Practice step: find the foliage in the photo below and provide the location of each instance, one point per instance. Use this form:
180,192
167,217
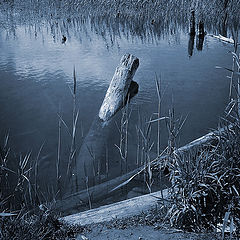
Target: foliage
44,225
142,18
206,183
205,191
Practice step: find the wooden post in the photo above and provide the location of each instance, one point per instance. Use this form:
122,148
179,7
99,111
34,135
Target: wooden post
224,18
192,23
200,36
201,29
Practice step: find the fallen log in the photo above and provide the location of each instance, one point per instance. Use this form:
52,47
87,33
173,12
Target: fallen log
84,169
206,139
76,201
101,191
124,209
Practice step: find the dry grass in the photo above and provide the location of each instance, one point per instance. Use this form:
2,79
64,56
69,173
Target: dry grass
205,191
205,184
44,225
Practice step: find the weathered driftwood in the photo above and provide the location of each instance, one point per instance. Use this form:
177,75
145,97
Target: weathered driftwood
119,86
119,210
100,191
222,38
92,151
206,139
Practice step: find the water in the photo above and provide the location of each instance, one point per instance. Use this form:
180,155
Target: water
36,74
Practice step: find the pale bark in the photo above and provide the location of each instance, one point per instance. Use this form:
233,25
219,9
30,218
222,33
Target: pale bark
119,86
222,38
100,191
85,169
124,209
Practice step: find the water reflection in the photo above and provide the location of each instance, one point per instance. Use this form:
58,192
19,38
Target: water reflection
199,38
146,22
199,42
40,45
191,44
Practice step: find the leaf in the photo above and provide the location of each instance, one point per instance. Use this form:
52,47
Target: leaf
203,185
127,181
7,169
230,70
225,220
83,237
158,119
235,189
193,208
7,214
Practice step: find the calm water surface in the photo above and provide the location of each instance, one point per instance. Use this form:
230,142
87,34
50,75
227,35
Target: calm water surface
36,74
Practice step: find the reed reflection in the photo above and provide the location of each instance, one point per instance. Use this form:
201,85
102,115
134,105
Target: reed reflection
191,45
200,36
147,22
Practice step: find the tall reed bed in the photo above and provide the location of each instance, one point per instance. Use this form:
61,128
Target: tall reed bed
148,21
205,183
20,189
205,189
25,208
17,190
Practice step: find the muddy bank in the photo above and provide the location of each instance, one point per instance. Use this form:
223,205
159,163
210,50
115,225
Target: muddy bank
143,232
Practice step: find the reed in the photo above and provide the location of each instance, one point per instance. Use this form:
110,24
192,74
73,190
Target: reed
75,114
154,19
22,213
123,142
16,189
44,225
204,191
205,184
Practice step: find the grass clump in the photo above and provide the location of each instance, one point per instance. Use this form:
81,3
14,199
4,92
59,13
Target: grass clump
206,184
205,190
43,225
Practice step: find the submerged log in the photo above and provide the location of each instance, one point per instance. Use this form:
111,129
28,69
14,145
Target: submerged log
119,210
78,200
84,170
75,201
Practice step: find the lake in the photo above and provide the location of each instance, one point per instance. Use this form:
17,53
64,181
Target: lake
36,76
